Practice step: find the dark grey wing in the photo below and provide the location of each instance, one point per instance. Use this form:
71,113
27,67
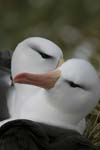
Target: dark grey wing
29,135
5,84
22,135
5,59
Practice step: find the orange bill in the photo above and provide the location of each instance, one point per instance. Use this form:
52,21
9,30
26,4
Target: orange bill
46,80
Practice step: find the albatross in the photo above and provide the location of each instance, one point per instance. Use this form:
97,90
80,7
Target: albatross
67,94
39,55
33,55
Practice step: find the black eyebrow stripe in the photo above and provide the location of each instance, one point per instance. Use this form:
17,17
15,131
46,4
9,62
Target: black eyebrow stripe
44,54
73,84
37,49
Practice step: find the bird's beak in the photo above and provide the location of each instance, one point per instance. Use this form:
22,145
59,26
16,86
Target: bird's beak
61,61
46,80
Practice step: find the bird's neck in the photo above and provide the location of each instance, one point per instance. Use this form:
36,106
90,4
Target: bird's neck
39,109
22,95
26,90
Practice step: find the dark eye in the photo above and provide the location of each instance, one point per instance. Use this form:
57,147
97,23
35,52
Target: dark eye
45,55
74,85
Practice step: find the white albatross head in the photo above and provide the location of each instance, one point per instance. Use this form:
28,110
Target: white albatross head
36,55
33,55
73,88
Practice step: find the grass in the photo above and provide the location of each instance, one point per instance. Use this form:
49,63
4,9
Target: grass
92,131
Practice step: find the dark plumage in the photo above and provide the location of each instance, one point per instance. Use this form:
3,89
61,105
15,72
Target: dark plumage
29,135
5,82
5,58
4,86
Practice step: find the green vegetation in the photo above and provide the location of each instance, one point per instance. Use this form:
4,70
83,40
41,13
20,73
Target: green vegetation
66,22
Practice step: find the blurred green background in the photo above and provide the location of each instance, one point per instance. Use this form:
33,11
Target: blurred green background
72,24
